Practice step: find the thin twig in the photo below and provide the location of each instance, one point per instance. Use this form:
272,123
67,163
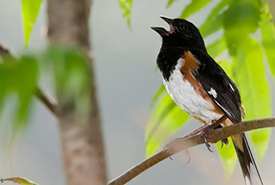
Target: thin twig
182,144
4,52
49,102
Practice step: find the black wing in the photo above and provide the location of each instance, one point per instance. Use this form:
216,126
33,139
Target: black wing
218,86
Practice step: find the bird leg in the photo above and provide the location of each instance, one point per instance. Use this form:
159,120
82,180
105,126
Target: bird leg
202,131
208,128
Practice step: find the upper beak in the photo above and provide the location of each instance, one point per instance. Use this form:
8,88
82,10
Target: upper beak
160,31
166,19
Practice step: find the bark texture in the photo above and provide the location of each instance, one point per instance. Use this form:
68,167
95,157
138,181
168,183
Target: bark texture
81,138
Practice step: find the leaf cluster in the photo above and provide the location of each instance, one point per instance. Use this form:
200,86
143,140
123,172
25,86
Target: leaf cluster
20,77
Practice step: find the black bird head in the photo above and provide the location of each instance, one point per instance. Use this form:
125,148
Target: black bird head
182,33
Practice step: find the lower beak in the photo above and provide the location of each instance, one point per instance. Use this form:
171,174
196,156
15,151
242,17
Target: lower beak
160,31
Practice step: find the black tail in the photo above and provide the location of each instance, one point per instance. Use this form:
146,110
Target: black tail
247,162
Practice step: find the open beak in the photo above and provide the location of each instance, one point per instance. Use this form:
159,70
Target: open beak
162,31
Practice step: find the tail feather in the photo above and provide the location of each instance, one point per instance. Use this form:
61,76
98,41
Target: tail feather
247,162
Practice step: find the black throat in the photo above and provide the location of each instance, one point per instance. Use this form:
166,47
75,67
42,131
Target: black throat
167,60
173,48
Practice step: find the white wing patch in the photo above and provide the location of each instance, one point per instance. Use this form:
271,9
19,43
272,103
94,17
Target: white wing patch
232,87
213,92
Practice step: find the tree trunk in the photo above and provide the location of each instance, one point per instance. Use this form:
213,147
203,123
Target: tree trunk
81,138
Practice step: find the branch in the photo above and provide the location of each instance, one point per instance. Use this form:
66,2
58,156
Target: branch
182,144
49,102
4,52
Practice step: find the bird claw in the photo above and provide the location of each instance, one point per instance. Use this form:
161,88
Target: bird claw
207,143
204,136
224,141
202,132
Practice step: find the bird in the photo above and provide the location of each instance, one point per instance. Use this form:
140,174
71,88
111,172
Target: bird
199,86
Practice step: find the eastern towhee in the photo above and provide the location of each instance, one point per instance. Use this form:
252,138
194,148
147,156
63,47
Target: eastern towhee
200,87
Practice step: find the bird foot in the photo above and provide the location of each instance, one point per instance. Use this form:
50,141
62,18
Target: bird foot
202,132
204,135
209,128
224,141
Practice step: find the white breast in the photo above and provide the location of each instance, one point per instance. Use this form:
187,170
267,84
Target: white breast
185,96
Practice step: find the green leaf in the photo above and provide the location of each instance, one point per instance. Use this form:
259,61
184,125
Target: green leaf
26,85
228,157
249,75
242,16
193,7
217,47
156,96
30,10
72,77
213,22
227,67
126,7
19,180
170,2
211,26
240,20
166,120
18,77
268,39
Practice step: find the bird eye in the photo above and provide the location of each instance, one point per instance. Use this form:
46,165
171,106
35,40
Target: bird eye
182,26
